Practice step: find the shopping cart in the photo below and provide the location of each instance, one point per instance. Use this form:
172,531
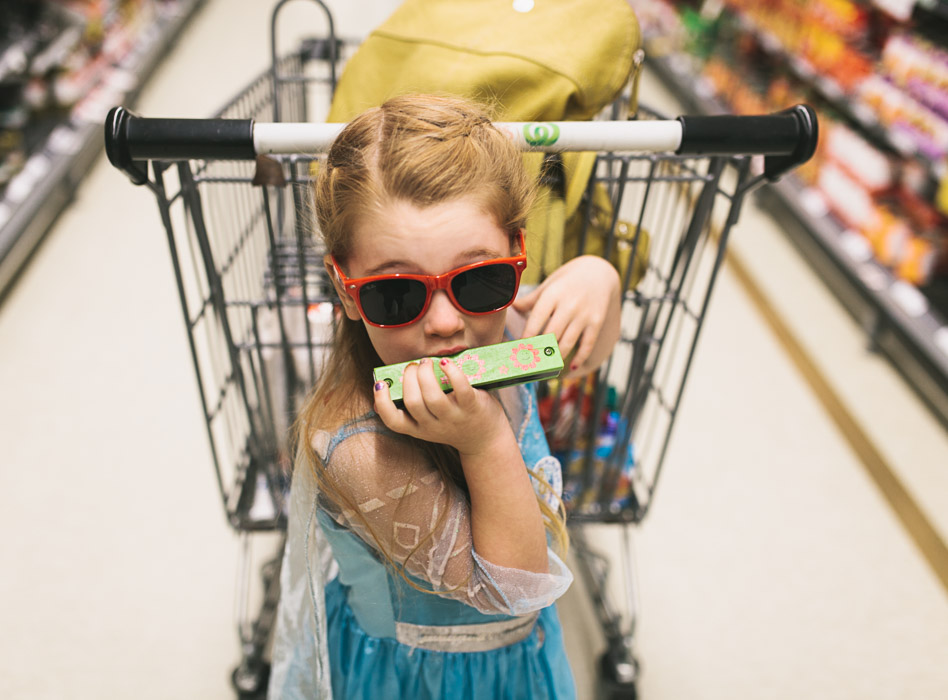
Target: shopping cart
232,194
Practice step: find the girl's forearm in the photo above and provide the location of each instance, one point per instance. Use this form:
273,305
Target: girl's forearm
506,523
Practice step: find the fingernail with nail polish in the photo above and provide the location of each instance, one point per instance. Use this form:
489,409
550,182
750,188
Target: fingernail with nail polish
444,361
379,386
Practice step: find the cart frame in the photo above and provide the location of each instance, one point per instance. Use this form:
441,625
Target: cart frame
231,193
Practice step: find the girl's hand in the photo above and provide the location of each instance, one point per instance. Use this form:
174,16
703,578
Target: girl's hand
581,304
506,524
469,419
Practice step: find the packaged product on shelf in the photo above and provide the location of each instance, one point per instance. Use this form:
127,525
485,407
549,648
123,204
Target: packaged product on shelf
110,30
941,198
918,67
924,130
881,91
862,161
925,257
906,233
856,208
12,153
820,38
14,114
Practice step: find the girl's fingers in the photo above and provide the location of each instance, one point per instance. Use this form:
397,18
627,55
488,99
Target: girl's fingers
567,341
587,344
576,330
534,324
526,302
545,318
391,416
582,341
412,395
464,393
383,402
432,390
540,310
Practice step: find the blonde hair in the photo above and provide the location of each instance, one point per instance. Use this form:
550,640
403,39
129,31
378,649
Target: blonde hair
424,150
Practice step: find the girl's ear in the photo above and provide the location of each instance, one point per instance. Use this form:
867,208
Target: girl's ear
348,303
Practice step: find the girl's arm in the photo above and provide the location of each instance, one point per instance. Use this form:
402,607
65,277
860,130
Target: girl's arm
486,548
581,304
505,520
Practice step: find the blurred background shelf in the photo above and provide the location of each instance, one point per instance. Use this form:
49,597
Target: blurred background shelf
58,144
900,321
905,320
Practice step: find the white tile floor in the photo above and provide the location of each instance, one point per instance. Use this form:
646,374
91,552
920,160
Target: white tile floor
769,567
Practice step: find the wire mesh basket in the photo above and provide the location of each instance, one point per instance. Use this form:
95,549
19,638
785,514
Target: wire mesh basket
259,308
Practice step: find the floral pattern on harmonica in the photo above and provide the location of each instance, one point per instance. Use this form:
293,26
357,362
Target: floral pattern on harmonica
490,366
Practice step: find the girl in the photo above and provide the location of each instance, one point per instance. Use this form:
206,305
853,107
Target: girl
443,516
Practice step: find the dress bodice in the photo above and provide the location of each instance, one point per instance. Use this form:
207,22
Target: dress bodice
380,596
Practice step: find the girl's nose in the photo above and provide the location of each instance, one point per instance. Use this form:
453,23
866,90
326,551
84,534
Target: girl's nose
442,317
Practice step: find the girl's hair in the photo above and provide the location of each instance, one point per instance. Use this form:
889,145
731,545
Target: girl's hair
424,150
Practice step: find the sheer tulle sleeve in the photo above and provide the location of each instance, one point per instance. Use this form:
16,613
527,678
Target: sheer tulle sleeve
300,668
406,510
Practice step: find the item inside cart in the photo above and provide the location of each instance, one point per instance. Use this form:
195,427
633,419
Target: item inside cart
595,458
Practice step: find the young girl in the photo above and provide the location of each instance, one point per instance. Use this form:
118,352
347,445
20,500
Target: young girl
443,516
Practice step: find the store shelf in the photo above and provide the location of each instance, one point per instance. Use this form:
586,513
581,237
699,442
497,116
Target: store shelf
847,105
36,196
899,320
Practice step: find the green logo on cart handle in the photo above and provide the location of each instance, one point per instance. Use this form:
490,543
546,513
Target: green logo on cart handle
541,133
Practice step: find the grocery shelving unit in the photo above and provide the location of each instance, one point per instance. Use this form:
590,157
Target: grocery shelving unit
908,325
836,96
34,197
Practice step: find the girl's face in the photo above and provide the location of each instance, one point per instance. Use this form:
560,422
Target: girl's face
432,240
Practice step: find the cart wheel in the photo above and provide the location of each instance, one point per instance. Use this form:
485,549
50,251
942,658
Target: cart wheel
618,674
250,680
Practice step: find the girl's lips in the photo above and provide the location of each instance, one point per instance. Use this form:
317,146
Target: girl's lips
450,351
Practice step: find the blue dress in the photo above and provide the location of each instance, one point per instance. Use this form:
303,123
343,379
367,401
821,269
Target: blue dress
497,636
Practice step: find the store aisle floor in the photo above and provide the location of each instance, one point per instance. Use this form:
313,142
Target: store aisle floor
770,565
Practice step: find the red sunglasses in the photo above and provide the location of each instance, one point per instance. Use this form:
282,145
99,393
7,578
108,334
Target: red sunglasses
390,301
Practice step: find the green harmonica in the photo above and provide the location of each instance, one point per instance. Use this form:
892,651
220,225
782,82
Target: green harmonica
491,366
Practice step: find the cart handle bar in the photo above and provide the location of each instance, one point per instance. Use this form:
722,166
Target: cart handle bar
786,138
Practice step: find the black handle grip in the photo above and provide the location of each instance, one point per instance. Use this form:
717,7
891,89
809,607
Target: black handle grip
787,138
130,139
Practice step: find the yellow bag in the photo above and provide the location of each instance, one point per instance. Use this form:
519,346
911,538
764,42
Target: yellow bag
561,60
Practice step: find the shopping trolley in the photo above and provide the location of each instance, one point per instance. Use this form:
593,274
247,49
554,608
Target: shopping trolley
233,196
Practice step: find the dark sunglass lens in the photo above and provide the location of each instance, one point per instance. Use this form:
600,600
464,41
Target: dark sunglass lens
392,302
485,288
